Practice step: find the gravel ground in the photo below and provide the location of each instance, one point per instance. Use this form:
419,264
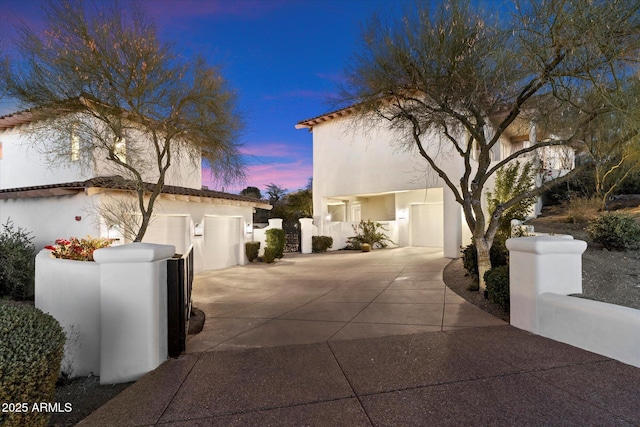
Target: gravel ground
607,276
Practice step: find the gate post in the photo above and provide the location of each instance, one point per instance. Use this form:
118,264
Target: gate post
306,234
133,310
541,264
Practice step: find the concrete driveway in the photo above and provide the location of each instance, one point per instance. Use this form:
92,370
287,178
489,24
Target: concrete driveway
342,295
453,375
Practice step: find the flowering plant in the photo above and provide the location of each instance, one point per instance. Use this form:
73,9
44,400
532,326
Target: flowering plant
77,249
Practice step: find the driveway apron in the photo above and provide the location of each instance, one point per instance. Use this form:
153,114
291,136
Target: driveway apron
304,299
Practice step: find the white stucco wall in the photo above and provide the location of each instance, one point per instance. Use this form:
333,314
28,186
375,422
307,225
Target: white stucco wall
51,218
24,163
351,161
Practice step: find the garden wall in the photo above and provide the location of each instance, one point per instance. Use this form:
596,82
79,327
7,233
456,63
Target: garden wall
114,310
543,272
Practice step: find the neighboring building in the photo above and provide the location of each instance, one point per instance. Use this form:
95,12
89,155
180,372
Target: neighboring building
65,200
365,173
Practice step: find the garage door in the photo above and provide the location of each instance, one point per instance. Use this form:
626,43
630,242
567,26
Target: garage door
427,224
169,230
223,242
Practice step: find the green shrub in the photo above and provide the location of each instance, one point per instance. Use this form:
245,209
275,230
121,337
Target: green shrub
17,262
511,181
498,254
321,243
368,232
31,348
497,281
251,250
269,255
616,231
275,241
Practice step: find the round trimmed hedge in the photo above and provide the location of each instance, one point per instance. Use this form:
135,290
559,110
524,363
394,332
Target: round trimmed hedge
31,349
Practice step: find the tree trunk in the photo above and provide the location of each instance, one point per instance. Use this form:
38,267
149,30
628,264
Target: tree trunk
484,261
146,219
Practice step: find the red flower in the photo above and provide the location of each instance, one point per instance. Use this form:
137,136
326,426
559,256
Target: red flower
51,248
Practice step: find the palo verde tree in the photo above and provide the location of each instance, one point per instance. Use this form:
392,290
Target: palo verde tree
613,144
122,98
548,66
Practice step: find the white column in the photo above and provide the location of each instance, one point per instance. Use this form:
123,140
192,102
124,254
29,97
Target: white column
133,310
306,235
452,224
541,264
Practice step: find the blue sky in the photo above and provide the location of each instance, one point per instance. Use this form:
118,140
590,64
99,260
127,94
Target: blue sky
283,57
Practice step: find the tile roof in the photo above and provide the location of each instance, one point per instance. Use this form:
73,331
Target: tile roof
119,183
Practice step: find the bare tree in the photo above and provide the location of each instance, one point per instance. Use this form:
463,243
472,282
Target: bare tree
128,101
477,80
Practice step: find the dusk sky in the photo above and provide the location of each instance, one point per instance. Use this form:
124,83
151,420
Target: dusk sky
283,57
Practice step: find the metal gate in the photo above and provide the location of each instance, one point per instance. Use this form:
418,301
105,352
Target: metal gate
292,237
179,285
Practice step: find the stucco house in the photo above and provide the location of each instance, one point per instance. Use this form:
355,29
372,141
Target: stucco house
64,200
363,172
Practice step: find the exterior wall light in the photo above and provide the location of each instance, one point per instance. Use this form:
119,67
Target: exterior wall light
198,229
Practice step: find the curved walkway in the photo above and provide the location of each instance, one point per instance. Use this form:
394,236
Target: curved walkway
304,299
453,375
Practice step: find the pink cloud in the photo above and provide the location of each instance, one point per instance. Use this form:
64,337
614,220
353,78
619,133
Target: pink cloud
292,176
269,149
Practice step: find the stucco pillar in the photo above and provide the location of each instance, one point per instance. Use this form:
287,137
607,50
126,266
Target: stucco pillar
133,310
541,264
452,224
306,235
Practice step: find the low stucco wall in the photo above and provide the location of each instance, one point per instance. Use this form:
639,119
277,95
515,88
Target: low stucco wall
70,291
114,310
543,271
607,329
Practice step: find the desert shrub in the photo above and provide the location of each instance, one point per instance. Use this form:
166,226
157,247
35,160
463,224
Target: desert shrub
269,255
498,255
581,210
275,240
321,243
30,357
251,250
616,231
17,262
78,249
368,232
497,281
511,181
